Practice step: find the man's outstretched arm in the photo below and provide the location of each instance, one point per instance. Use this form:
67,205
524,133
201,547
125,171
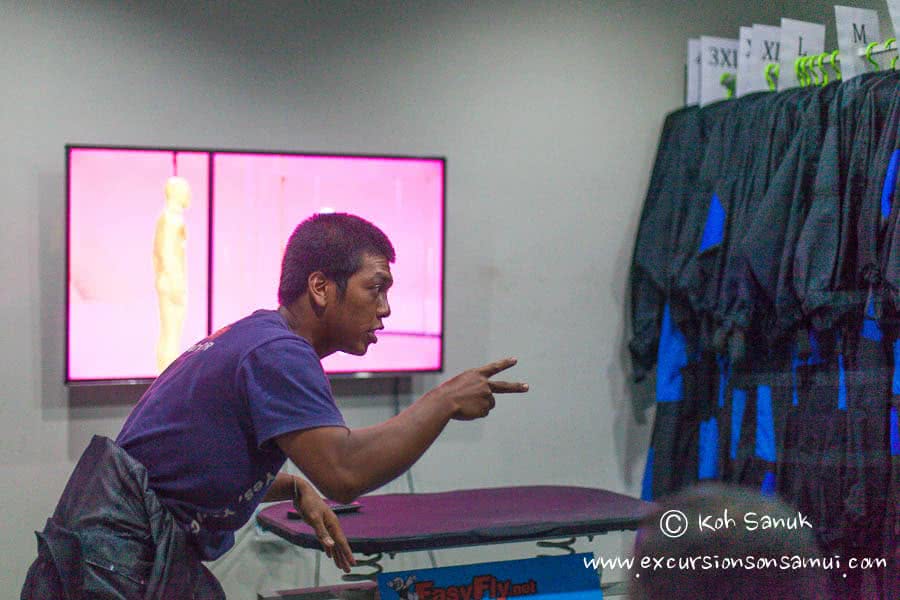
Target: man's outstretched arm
345,463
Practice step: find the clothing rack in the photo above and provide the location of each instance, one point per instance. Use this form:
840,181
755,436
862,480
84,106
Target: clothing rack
771,324
831,59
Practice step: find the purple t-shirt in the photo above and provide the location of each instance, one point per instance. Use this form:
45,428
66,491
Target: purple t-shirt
205,429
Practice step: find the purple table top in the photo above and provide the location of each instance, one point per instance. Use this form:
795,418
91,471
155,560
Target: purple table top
408,522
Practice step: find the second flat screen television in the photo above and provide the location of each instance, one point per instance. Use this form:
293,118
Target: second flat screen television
233,214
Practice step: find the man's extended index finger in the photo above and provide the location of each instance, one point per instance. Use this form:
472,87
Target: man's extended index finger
491,369
507,387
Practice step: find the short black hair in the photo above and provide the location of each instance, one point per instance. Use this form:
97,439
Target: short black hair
738,560
333,243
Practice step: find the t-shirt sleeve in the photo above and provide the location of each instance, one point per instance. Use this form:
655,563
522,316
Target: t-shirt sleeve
286,390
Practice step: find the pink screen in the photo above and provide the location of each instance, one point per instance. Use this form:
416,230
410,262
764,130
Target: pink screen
115,199
259,199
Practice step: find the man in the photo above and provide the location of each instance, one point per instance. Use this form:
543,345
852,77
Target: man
205,444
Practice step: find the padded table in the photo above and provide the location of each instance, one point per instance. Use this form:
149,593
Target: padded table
395,523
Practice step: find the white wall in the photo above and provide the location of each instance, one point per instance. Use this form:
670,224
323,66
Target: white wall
548,113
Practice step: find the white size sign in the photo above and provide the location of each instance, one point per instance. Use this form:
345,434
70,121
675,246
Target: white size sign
745,52
894,8
692,91
765,42
718,56
856,27
798,38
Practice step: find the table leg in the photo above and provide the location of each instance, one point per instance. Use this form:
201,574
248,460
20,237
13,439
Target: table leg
371,560
561,545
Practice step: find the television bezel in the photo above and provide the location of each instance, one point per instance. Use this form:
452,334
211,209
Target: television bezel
210,237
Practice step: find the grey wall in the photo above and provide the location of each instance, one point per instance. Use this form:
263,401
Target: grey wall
548,113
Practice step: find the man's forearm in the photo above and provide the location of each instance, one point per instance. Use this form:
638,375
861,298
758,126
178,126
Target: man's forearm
346,463
381,453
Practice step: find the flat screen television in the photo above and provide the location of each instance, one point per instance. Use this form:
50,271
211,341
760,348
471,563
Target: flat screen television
219,220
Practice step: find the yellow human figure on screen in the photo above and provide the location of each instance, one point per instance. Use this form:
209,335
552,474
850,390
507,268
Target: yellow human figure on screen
170,266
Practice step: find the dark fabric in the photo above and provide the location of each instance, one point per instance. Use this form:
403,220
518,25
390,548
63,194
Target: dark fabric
877,196
767,301
786,274
674,442
777,140
697,281
57,571
674,175
111,538
866,483
717,126
698,421
814,448
674,445
892,516
825,261
889,254
755,424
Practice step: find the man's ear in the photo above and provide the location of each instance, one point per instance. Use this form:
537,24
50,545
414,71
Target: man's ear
317,285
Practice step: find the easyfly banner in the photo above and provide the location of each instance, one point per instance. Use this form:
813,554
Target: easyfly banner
557,577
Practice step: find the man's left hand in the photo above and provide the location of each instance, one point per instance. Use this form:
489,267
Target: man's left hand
321,518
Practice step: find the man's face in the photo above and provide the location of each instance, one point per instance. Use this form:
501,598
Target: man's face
353,319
